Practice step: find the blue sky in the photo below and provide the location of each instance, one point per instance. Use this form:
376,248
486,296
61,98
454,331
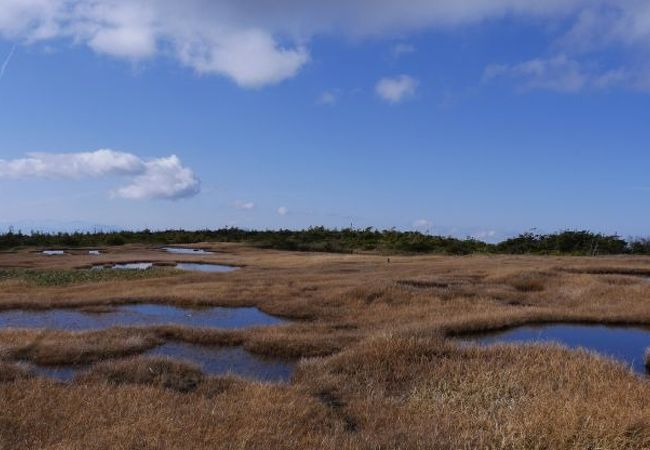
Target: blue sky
484,119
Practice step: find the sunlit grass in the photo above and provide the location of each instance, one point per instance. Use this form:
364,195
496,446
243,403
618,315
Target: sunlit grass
380,365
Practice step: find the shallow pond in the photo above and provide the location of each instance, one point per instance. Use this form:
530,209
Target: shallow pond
211,360
53,252
186,251
201,267
94,252
626,344
191,267
132,266
226,360
137,315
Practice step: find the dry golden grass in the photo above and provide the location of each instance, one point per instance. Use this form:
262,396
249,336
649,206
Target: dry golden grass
380,367
11,372
52,347
162,372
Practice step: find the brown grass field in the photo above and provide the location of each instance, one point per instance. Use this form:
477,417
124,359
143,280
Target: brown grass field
379,367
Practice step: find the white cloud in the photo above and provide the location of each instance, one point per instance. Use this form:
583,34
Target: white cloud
209,37
422,224
283,211
257,42
251,58
72,165
395,90
162,178
244,205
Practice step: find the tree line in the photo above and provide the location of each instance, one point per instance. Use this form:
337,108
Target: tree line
346,240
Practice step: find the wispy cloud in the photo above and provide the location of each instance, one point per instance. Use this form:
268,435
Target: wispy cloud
159,178
6,62
329,97
401,49
559,73
282,211
246,206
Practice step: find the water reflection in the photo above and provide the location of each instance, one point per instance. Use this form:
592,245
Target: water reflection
137,315
229,360
186,251
199,267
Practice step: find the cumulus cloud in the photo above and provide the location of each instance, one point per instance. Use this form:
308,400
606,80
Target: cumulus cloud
244,205
256,42
283,211
161,178
251,58
209,37
395,90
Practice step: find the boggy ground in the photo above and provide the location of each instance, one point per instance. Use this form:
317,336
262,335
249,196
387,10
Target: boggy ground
380,367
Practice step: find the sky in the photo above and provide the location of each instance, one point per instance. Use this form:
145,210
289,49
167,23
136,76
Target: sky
480,118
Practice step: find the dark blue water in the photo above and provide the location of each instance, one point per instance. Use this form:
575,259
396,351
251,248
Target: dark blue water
137,315
186,251
626,344
229,360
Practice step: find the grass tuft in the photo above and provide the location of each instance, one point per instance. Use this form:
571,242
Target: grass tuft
528,281
10,372
179,376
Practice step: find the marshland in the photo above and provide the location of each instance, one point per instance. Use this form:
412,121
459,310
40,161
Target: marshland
301,349
346,225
